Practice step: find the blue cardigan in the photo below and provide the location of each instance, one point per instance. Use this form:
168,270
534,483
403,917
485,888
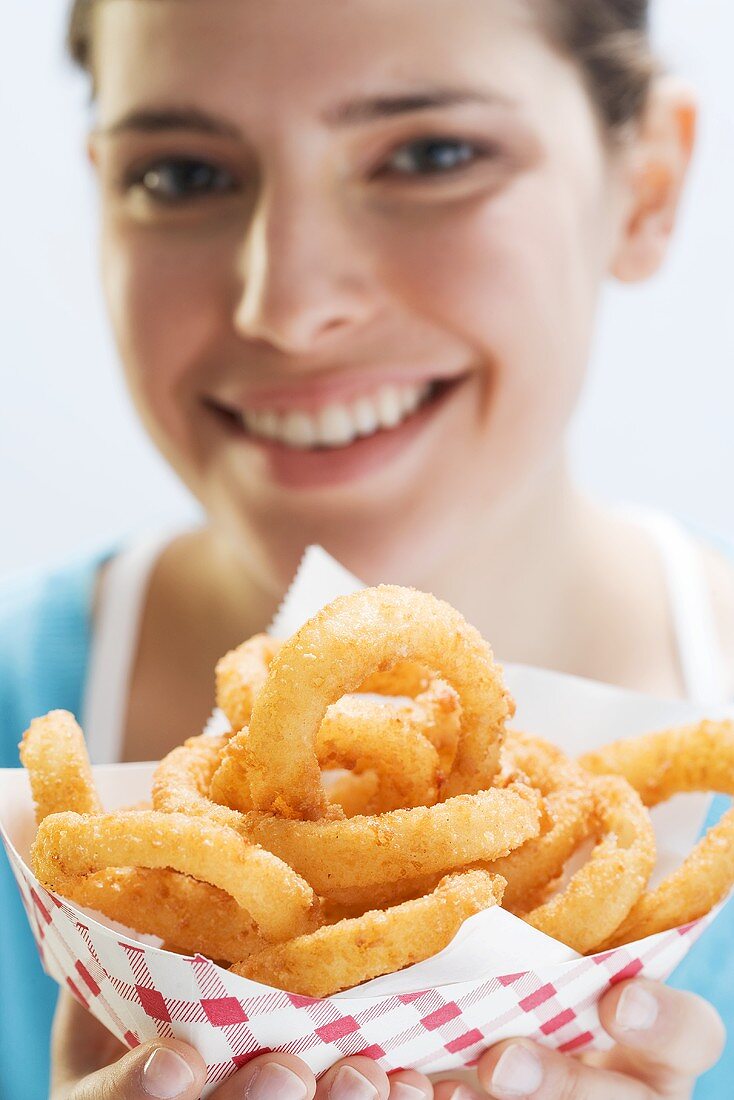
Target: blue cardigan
45,629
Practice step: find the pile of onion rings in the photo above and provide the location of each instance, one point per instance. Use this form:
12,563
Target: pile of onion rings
255,853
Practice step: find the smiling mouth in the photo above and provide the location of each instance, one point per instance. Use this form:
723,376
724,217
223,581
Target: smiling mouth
336,425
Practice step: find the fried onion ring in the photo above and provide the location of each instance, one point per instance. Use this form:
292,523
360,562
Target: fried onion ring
69,845
698,757
157,902
529,868
240,675
365,851
602,892
356,794
568,806
406,678
435,708
343,955
54,752
182,780
367,735
331,656
362,735
197,917
357,734
358,852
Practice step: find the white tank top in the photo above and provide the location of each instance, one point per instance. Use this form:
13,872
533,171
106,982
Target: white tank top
122,598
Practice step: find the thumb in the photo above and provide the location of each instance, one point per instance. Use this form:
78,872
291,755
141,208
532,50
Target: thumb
662,1034
166,1070
88,1063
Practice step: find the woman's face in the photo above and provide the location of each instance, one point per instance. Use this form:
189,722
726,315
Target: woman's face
352,252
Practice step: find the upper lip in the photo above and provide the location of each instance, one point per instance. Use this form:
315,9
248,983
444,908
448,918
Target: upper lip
316,392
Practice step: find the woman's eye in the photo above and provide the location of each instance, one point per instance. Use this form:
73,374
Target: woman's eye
179,179
433,156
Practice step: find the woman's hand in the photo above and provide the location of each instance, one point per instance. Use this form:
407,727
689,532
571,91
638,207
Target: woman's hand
665,1040
89,1064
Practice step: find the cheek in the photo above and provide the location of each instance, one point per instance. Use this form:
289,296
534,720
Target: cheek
164,298
517,279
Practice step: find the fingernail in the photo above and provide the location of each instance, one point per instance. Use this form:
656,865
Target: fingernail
348,1084
166,1074
637,1009
275,1082
401,1091
518,1073
461,1092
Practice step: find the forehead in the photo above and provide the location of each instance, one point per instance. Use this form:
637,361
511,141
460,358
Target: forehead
247,56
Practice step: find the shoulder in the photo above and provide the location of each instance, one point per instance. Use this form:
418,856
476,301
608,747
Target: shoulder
718,563
45,628
46,594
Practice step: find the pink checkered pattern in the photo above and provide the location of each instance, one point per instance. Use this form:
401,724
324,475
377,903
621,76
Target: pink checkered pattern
140,993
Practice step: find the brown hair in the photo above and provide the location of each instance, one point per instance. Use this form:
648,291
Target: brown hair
608,38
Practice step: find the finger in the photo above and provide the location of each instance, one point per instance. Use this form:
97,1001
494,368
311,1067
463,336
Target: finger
270,1077
354,1079
80,1044
520,1069
455,1089
408,1084
662,1032
163,1070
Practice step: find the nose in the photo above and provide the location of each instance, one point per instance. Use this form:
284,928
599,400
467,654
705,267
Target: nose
304,281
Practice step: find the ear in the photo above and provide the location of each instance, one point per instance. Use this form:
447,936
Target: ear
658,159
91,148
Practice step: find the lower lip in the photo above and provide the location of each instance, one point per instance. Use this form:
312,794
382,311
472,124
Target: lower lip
331,466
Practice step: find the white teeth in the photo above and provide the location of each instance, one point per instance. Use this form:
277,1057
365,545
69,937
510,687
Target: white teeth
298,430
389,406
408,400
268,424
412,397
338,425
365,416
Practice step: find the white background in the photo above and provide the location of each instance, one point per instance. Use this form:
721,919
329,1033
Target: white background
656,424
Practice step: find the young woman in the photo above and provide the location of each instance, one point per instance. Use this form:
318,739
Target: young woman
352,254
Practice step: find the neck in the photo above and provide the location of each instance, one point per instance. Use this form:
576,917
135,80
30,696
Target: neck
224,597
512,575
550,579
515,576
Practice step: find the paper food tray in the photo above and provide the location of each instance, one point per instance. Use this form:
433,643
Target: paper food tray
498,978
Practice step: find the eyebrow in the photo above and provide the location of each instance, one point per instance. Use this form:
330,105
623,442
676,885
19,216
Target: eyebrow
156,120
351,112
355,111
